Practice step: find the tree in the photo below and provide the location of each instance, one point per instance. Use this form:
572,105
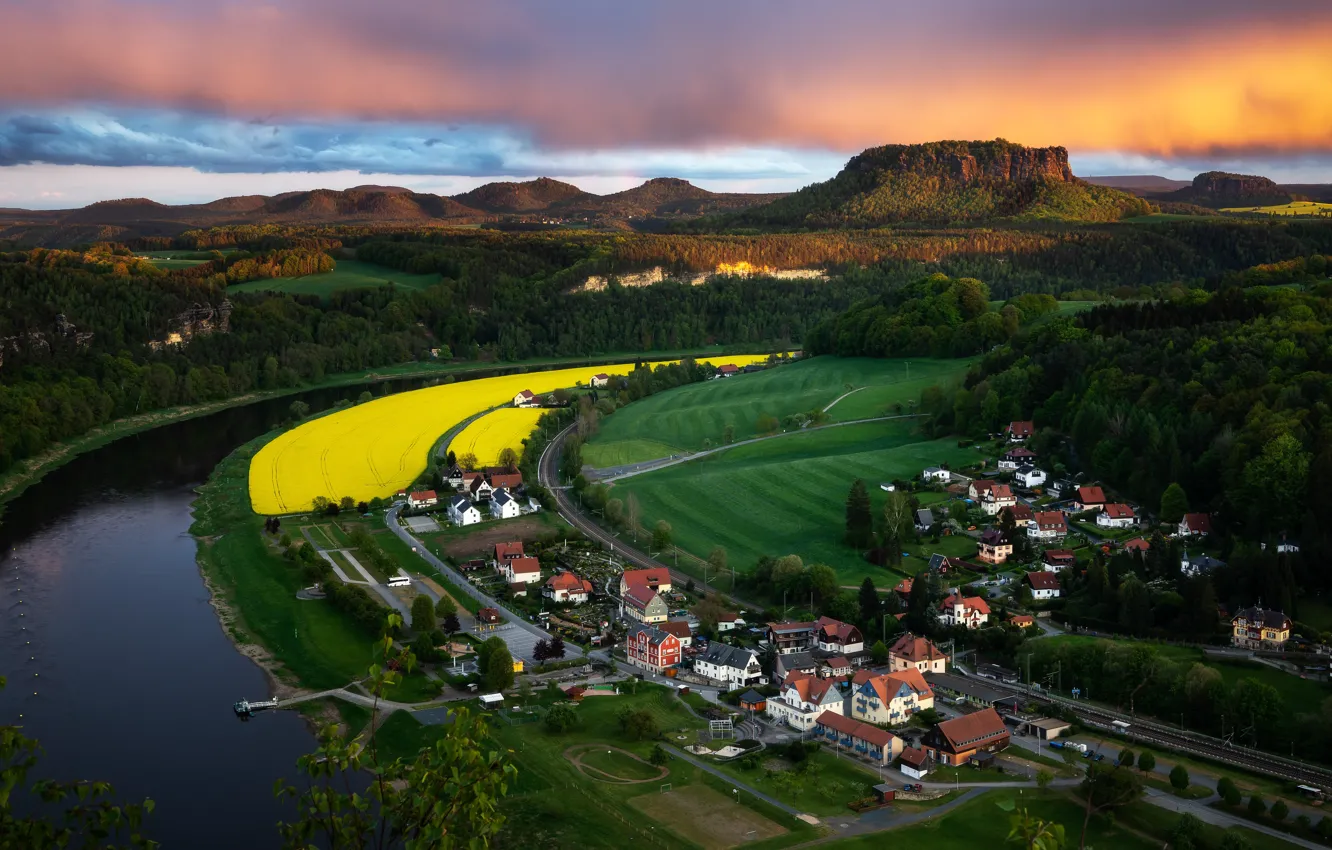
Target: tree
786,571
347,503
467,461
541,651
557,647
879,652
1126,757
285,541
1146,762
614,511
637,723
1187,833
717,559
658,756
445,606
561,717
896,525
449,624
508,458
1105,789
632,514
823,581
1280,810
1257,806
1135,605
423,614
499,669
1043,779
1230,794
869,603
661,535
1232,840
298,410
859,518
1179,777
1174,504
766,424
728,434
1033,833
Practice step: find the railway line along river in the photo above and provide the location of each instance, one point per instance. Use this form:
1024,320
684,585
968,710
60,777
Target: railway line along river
115,660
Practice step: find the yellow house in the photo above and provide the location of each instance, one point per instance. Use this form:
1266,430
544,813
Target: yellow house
1259,628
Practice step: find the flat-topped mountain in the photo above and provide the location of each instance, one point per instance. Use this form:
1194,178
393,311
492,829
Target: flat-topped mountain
1219,189
1139,184
949,182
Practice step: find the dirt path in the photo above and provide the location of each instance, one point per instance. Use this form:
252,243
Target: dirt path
575,756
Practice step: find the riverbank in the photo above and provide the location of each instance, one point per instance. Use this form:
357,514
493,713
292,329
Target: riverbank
28,472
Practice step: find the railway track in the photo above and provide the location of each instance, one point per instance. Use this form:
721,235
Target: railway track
1182,740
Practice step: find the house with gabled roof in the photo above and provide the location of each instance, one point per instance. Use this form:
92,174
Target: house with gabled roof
1020,430
736,667
910,652
795,662
971,612
1116,515
1029,476
505,551
835,636
524,398
1088,499
652,649
914,763
1021,513
1044,585
936,474
1137,544
1048,525
658,580
1022,621
504,506
644,604
1195,524
1197,565
524,568
463,512
726,370
567,587
803,698
1259,628
978,487
505,479
791,637
954,742
1016,457
422,499
995,547
600,379
681,630
854,736
890,699
996,498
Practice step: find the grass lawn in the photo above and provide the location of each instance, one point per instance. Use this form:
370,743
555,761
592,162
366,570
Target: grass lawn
1109,533
787,495
350,274
1193,792
1159,822
1317,613
414,688
952,545
983,822
318,646
681,419
163,263
616,763
823,788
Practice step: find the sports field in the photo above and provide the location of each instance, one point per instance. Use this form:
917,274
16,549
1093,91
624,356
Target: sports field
350,274
682,419
376,448
498,430
787,495
1296,208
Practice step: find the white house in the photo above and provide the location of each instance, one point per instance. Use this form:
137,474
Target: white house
736,666
1044,585
600,379
914,763
567,587
463,512
1193,524
934,473
996,498
524,399
1088,499
891,699
1048,525
422,499
1029,476
803,699
729,621
971,611
1115,515
524,569
1015,458
835,636
503,505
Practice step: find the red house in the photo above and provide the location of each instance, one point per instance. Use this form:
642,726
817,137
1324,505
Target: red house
505,551
652,649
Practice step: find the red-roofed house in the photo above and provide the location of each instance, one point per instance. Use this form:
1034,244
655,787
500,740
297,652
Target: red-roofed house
1048,525
1058,559
567,587
1089,499
1044,585
1020,430
915,763
658,580
971,611
644,604
867,741
835,636
652,649
835,667
996,498
978,488
422,499
1022,621
523,568
506,480
955,741
1196,524
600,379
505,551
803,698
728,620
680,629
1021,513
891,699
524,399
726,370
916,653
1116,515
903,589
1137,544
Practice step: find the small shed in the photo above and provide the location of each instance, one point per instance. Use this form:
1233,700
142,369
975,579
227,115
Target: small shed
915,763
885,792
489,701
752,700
1048,728
982,760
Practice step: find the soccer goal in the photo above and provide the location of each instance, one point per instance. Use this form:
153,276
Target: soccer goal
666,786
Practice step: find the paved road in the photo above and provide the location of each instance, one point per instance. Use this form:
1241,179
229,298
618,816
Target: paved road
842,396
1217,817
616,473
384,593
518,634
548,477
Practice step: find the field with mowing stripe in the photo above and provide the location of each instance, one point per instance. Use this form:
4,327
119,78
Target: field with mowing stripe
350,274
1297,208
681,419
787,495
498,430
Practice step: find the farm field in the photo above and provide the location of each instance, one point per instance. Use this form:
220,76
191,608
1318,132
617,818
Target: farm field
788,495
349,274
498,430
374,449
681,419
1296,208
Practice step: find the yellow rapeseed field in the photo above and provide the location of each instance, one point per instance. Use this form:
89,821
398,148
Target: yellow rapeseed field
498,430
377,448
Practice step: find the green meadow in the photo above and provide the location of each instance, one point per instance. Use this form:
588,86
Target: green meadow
680,420
349,274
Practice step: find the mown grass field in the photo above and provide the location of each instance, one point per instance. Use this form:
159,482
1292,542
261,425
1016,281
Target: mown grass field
1295,208
681,419
787,495
349,274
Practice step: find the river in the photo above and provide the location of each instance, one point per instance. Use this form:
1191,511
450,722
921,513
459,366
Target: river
115,660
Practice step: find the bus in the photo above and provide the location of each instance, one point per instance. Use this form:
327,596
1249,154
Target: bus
400,581
1311,793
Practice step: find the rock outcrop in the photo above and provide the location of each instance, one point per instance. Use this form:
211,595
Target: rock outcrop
1219,190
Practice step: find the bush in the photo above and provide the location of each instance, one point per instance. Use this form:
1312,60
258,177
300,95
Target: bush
1230,795
1280,810
1257,806
1303,823
561,718
1179,778
1126,758
1146,762
1325,827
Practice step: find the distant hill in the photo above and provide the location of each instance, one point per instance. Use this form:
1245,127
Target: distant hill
1139,184
946,183
1219,189
528,196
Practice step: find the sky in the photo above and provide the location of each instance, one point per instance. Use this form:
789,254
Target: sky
187,100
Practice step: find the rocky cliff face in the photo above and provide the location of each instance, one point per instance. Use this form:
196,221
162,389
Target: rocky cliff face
968,162
1218,189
